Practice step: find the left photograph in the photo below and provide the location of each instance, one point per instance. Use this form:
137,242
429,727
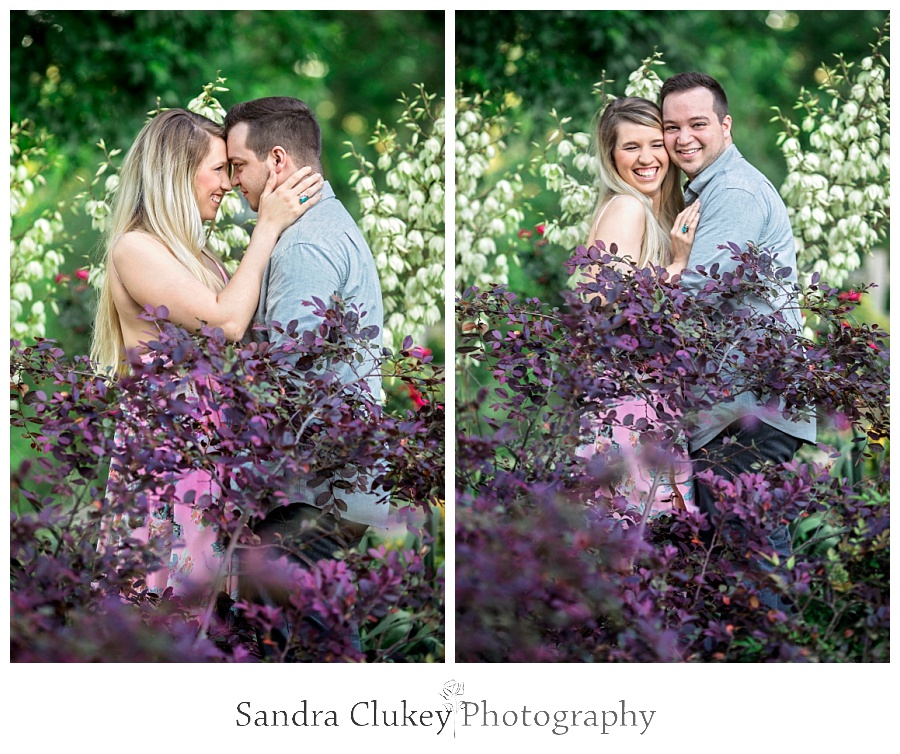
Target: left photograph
227,338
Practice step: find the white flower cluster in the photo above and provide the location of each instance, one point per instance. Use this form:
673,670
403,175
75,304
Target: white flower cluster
485,210
36,254
569,167
838,191
100,209
228,240
402,202
206,104
644,82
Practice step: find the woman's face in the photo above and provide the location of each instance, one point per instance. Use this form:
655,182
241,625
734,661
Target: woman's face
211,182
640,157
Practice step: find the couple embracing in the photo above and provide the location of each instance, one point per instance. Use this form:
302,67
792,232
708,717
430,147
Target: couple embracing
305,245
644,211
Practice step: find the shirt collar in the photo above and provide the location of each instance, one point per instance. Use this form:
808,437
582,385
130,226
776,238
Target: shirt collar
694,187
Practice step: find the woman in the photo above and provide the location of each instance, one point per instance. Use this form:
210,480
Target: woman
639,193
639,199
171,183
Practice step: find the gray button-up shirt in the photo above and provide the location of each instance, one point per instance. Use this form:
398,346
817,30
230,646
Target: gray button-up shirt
740,205
324,253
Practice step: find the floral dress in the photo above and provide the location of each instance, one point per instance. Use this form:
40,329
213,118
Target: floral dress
638,480
193,551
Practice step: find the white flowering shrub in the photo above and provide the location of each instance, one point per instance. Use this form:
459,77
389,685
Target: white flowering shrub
401,197
487,208
569,161
838,190
37,252
96,205
206,104
227,239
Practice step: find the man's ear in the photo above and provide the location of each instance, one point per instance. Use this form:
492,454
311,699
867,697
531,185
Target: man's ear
278,159
726,127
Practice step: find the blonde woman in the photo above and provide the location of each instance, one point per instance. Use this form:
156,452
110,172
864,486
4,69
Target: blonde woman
641,209
171,183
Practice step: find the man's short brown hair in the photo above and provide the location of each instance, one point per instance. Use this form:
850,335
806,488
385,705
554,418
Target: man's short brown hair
279,121
683,82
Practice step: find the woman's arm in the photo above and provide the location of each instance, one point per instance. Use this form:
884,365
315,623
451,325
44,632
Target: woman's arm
152,275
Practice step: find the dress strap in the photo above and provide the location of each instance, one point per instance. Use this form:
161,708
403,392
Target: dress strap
614,197
218,265
222,271
113,265
112,262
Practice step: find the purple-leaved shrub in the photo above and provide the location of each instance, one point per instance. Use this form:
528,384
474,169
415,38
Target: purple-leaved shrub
551,566
247,414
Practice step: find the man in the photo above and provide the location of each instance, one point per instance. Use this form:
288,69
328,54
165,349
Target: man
740,205
320,255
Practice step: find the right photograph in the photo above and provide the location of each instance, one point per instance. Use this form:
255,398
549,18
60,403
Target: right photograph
672,336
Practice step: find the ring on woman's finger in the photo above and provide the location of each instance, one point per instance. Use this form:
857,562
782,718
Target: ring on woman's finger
684,228
304,198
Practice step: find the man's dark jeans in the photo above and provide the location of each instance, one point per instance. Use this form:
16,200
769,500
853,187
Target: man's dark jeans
287,529
751,442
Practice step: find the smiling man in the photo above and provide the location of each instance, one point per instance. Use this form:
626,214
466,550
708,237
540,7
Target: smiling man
739,205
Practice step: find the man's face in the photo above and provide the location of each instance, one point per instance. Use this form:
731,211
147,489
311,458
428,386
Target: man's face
693,135
249,173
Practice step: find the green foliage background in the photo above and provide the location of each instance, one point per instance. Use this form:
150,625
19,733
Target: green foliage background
546,60
83,76
87,75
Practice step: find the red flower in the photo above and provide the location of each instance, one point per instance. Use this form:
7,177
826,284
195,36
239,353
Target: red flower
525,233
82,274
61,278
540,229
416,397
851,295
419,352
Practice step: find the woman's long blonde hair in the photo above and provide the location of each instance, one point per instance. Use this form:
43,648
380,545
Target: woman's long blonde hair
156,195
656,246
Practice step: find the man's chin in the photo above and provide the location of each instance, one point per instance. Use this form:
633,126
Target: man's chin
689,170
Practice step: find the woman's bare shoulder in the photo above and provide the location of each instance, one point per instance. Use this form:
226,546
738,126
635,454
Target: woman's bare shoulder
135,240
624,206
620,213
136,244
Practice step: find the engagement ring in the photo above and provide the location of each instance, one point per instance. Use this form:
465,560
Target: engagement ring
305,198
